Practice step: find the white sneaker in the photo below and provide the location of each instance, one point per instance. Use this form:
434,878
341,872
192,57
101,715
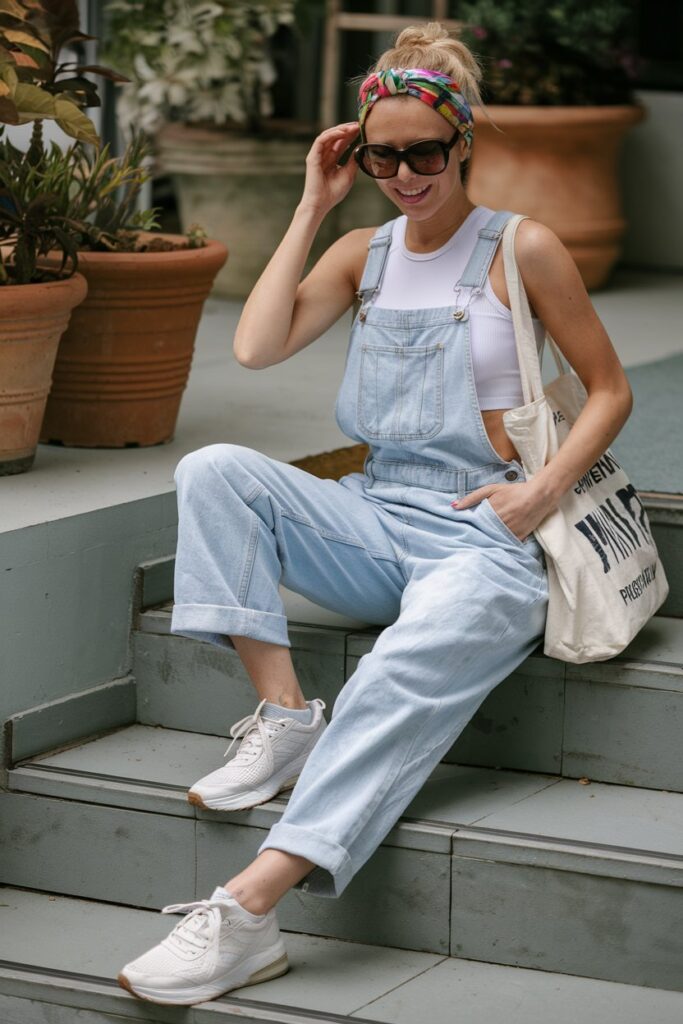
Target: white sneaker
268,760
218,946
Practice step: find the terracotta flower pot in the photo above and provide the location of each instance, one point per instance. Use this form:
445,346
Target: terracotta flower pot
32,320
558,165
123,364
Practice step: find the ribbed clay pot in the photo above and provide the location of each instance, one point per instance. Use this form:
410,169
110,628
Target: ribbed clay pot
33,318
558,165
124,362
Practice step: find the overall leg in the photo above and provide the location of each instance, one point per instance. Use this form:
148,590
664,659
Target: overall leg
248,522
466,622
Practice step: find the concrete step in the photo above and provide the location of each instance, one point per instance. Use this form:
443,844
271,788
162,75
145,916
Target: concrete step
45,978
506,867
617,721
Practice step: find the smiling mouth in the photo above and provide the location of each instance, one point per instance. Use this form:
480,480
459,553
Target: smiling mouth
413,191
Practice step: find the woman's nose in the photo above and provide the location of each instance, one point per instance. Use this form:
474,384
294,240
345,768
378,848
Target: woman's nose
404,173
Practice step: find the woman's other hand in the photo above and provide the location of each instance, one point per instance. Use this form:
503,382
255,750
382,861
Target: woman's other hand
521,506
326,182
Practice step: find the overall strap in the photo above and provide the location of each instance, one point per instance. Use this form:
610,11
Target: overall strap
378,250
474,274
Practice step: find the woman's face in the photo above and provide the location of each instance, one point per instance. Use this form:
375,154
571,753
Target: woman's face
400,121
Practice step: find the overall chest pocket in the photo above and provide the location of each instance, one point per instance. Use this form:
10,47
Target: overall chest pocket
400,391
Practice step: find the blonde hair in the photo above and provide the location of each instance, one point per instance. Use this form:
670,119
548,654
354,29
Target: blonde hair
431,46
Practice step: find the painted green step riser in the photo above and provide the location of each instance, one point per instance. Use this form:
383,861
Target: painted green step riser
68,1002
593,919
585,925
536,720
14,1010
148,860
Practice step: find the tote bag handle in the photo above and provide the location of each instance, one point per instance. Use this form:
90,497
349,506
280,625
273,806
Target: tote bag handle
525,338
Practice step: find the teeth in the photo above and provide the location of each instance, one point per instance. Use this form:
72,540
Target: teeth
413,192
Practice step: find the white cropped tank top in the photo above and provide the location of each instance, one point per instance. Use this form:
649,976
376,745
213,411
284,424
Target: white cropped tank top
428,279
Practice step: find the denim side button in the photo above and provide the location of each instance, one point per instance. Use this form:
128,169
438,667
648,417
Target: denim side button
511,474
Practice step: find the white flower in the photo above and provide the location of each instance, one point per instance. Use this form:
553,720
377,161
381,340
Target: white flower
185,39
201,61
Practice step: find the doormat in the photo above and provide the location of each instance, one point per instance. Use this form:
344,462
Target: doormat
336,463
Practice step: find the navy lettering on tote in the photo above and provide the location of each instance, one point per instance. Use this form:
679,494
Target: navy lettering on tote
636,587
615,533
604,467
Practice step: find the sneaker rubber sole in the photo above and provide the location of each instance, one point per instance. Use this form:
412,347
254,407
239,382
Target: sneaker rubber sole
241,801
251,972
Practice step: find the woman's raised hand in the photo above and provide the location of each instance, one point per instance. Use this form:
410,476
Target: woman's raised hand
326,182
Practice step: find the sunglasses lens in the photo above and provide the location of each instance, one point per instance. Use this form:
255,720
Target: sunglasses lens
427,158
379,161
382,161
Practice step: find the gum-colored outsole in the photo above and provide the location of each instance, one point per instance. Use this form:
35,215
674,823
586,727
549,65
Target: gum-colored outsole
196,800
274,970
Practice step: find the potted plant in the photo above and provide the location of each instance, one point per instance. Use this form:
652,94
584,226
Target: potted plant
201,84
123,364
558,84
35,300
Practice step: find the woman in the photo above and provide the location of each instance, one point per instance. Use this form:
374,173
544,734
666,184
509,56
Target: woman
434,540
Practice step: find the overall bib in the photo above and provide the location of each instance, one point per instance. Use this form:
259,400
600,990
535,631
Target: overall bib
463,599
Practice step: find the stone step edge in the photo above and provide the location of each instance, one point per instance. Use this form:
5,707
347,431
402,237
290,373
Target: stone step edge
86,992
429,835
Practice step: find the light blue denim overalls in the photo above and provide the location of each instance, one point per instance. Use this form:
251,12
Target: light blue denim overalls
463,600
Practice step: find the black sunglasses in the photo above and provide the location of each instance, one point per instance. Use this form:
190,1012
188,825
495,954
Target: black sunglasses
427,157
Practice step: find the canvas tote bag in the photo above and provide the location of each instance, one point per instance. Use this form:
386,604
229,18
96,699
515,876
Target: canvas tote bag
604,575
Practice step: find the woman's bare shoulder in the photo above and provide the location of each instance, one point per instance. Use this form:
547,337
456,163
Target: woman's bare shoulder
537,244
356,246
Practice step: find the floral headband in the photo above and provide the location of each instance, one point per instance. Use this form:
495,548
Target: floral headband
439,90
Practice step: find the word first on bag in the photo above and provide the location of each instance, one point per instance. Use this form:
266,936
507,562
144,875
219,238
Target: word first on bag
605,577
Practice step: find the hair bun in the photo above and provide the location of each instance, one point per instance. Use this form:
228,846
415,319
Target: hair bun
421,35
430,45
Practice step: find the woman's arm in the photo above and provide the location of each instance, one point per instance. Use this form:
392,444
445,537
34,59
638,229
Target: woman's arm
266,320
558,295
557,292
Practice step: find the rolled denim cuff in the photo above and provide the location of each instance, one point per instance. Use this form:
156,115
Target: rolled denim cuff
333,870
213,624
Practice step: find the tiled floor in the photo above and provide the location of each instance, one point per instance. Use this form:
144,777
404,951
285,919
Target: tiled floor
287,410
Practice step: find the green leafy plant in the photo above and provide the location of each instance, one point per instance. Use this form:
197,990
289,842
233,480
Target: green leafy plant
104,195
34,216
203,62
35,83
557,53
75,200
64,200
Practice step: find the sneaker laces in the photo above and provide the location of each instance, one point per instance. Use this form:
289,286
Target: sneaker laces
198,929
255,735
